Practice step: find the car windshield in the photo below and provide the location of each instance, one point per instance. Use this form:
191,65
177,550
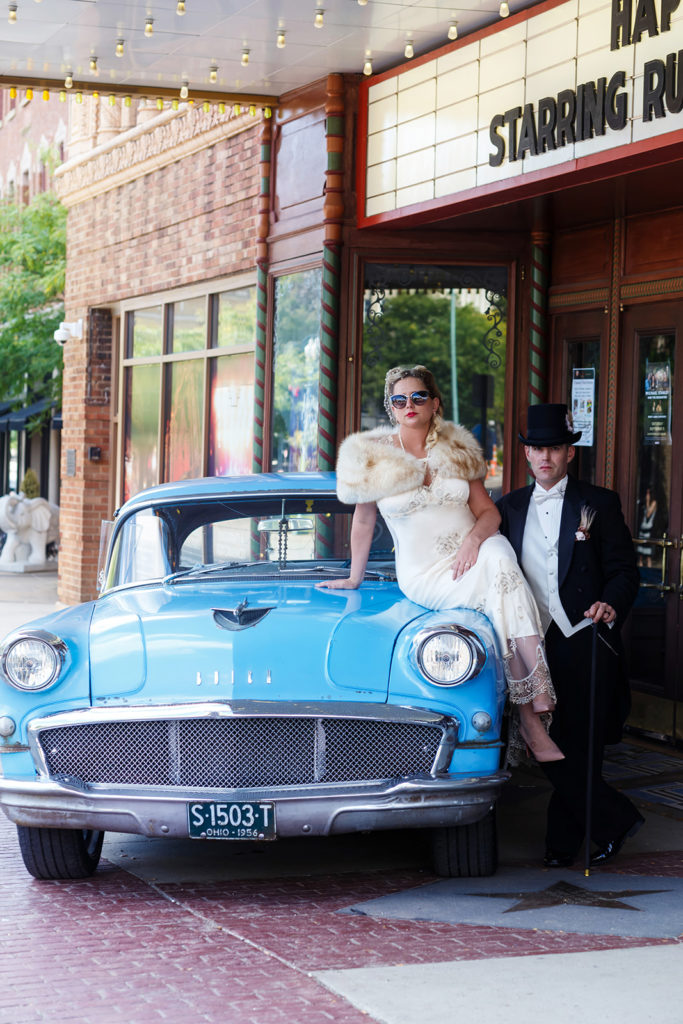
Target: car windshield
248,536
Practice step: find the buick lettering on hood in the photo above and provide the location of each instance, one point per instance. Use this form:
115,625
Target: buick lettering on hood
212,692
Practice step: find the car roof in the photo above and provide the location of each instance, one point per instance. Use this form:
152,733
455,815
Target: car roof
248,484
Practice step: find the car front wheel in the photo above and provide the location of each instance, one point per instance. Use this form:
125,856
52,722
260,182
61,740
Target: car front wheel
54,853
466,851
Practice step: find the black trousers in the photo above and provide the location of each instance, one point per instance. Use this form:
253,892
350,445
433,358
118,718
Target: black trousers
569,659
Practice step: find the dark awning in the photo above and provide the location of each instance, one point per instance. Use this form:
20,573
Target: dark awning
17,420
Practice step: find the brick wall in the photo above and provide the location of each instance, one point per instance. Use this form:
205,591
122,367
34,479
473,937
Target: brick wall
190,221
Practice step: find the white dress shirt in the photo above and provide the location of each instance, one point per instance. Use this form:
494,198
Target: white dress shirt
539,555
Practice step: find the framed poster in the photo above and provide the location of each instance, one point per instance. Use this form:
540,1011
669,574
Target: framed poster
583,404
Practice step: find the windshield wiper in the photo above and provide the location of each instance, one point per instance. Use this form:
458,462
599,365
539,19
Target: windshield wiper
201,569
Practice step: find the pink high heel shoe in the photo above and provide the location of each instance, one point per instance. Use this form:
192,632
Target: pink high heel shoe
536,738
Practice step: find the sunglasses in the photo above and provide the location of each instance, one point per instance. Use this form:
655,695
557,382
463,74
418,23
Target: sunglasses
417,398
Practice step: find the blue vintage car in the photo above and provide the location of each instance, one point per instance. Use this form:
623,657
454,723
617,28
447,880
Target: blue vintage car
212,691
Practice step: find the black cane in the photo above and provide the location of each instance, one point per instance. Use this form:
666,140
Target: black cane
591,741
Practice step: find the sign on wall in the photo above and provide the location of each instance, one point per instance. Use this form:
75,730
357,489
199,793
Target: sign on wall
552,88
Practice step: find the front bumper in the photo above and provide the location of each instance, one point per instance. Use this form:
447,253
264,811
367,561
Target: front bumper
406,803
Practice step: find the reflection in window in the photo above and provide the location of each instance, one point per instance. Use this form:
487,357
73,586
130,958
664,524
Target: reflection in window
655,377
147,331
184,422
235,322
452,320
189,325
142,428
231,427
296,370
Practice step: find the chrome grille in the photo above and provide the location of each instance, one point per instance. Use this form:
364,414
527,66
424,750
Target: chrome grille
239,753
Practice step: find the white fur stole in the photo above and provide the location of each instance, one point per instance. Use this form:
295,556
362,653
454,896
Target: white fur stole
371,467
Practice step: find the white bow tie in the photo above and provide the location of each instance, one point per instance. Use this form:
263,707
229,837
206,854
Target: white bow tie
541,496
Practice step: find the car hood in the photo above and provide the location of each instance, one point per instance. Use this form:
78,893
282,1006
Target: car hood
178,642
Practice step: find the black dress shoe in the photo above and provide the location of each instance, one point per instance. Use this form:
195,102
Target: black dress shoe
557,860
612,848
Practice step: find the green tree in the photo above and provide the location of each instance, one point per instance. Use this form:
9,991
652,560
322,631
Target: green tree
416,328
32,269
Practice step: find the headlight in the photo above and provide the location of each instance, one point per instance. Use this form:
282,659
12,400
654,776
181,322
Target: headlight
449,656
33,662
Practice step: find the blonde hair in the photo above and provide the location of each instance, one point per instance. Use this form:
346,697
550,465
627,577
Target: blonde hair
421,373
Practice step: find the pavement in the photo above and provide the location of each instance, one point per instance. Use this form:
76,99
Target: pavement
355,928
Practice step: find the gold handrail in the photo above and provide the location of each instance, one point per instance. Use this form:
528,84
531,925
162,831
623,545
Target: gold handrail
664,543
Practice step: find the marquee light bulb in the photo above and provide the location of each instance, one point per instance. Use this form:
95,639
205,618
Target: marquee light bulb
184,90
79,97
367,66
119,48
149,27
213,73
69,80
12,14
245,57
504,9
409,51
319,15
93,64
46,94
180,9
453,30
281,39
362,3
112,100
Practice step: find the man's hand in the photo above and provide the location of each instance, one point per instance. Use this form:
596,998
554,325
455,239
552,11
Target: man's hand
600,611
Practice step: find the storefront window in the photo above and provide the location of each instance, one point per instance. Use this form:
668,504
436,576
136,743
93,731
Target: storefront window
453,320
232,415
296,371
235,319
140,466
184,420
189,325
202,348
147,332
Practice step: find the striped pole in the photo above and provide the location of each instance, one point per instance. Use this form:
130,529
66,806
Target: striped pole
538,329
260,361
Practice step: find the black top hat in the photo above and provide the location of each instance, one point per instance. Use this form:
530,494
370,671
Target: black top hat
549,424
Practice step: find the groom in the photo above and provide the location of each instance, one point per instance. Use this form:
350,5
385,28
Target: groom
576,551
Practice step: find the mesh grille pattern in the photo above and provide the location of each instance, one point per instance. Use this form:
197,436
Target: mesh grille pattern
240,753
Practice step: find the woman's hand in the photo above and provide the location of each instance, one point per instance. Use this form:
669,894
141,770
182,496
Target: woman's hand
347,584
467,555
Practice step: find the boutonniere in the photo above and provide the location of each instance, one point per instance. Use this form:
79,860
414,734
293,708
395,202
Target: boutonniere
588,515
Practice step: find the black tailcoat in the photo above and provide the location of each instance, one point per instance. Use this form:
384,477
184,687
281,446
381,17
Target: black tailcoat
602,567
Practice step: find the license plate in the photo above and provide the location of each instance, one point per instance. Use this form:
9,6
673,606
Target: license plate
210,819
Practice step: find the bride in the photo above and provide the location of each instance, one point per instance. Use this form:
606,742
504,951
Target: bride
425,475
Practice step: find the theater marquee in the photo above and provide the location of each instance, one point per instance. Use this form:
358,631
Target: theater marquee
563,88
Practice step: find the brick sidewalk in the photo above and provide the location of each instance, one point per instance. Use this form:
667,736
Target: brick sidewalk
116,949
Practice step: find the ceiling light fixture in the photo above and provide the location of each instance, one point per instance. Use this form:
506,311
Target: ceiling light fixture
504,9
245,57
409,50
149,27
69,80
180,9
280,39
119,48
367,64
213,73
453,30
12,14
319,14
185,89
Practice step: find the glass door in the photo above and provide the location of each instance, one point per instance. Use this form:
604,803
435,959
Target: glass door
653,342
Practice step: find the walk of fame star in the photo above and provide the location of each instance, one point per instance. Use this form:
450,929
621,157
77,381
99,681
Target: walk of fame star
571,895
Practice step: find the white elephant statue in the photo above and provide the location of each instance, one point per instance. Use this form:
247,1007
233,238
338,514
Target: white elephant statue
30,524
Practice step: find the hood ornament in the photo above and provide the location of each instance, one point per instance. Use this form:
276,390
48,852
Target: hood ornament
241,617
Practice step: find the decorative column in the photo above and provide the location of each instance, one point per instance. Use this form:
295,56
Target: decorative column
614,310
333,219
263,226
538,327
